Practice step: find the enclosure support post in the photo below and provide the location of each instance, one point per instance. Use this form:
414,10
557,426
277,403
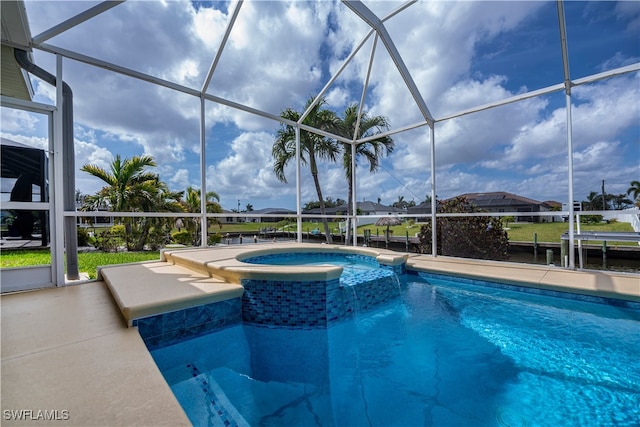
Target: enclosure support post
434,234
204,237
567,89
298,203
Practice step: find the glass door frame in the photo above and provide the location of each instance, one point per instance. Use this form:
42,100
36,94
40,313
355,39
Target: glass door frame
47,275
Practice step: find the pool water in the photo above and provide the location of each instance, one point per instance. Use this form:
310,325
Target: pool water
354,267
442,354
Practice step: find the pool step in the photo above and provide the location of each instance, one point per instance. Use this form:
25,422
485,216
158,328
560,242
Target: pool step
151,288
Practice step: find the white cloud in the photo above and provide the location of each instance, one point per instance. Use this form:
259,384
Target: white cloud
246,173
31,141
180,178
19,121
279,53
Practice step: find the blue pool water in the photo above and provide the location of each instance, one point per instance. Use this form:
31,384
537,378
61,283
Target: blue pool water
442,354
355,267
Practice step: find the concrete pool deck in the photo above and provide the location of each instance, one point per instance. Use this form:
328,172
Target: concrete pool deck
69,351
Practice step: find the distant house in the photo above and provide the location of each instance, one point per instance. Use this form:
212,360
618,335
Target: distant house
501,202
266,211
269,211
372,208
423,208
365,208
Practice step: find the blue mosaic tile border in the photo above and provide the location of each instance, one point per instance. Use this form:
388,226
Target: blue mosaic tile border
315,304
535,291
299,304
168,328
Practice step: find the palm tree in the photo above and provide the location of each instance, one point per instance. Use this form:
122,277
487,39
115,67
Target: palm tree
401,203
126,181
192,204
595,201
312,147
634,192
620,201
372,150
131,188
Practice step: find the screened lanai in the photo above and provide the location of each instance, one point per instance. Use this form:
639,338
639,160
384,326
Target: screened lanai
533,98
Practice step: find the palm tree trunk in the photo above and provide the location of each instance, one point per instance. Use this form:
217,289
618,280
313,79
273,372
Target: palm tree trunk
349,212
142,238
316,182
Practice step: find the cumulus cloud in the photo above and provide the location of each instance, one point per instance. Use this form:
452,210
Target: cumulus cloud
280,53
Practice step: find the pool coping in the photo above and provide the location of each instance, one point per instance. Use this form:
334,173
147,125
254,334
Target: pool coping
233,269
605,284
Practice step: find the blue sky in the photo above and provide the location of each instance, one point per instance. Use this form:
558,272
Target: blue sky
460,55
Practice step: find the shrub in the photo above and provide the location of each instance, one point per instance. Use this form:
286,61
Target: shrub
157,237
477,237
590,219
83,237
214,239
109,240
182,237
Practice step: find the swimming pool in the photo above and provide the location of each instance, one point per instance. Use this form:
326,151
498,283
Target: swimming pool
442,353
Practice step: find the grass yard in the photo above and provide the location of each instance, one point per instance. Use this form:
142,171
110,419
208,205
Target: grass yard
552,231
88,262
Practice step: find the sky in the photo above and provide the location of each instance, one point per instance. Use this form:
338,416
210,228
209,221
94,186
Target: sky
460,54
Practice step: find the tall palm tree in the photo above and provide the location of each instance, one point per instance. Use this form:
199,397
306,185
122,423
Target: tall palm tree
634,191
372,151
312,147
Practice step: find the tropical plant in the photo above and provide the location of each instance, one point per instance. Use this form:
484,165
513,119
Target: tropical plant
191,203
594,201
401,203
620,201
478,237
312,146
634,192
131,188
356,124
328,203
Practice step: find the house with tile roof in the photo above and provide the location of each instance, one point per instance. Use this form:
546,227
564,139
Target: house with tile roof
500,201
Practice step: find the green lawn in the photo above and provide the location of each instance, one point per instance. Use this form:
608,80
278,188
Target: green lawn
548,232
88,262
551,231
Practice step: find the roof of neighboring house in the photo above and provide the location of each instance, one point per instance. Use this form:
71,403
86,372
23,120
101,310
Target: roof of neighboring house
272,211
424,207
328,211
498,198
552,204
365,207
